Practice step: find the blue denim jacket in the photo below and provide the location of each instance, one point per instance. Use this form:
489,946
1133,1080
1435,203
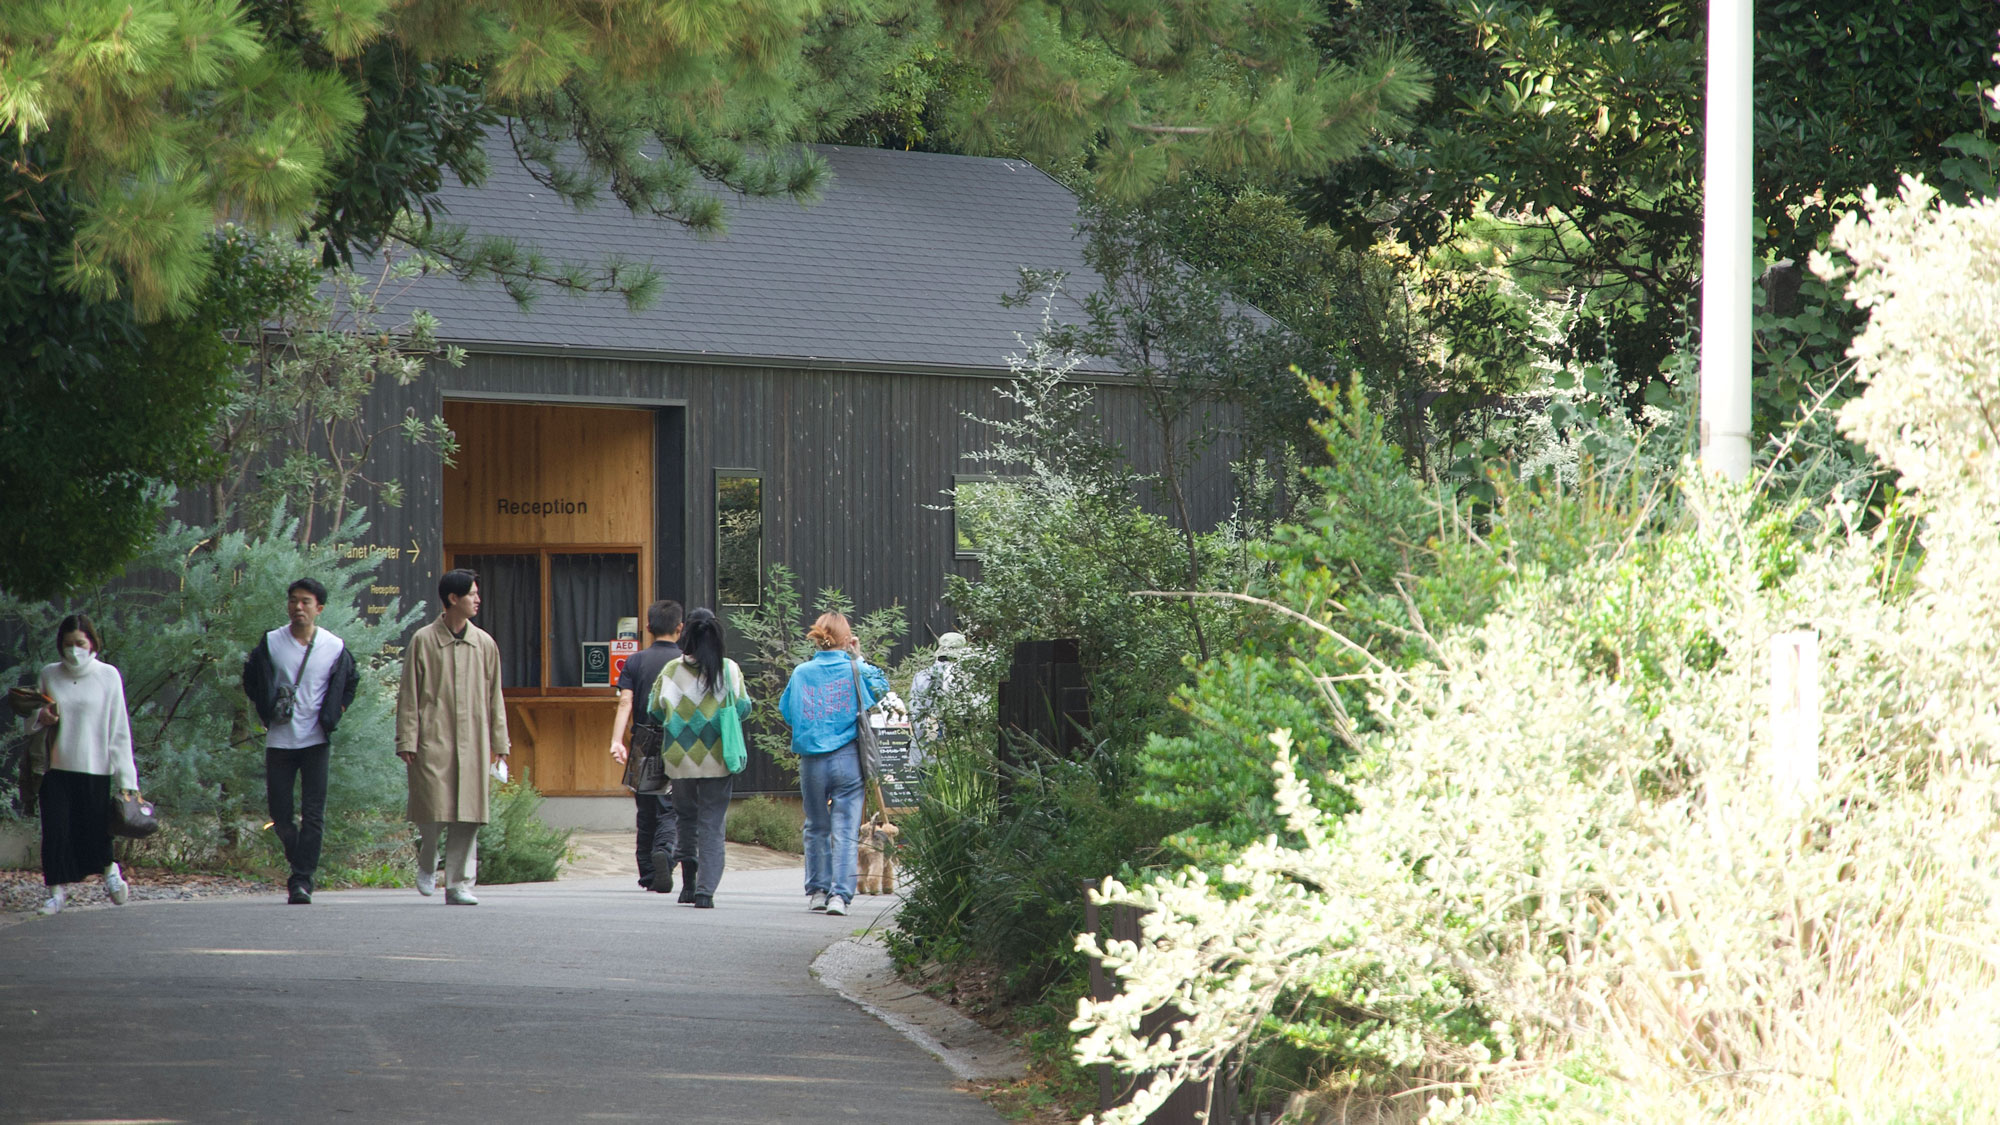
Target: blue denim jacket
818,703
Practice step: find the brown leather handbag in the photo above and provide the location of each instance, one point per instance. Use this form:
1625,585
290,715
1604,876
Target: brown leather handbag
34,749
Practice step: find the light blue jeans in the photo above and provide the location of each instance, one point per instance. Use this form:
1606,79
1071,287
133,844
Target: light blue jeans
831,786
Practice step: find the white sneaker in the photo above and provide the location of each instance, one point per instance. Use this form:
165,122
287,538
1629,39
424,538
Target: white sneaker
836,905
427,883
116,886
55,903
453,896
816,901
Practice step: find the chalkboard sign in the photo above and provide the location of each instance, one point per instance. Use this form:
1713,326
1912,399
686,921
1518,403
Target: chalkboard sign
899,778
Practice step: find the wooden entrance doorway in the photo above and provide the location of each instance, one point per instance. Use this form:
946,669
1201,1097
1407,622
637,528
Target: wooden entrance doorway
555,507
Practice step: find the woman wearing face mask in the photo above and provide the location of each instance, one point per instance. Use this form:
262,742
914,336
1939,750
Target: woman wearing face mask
92,746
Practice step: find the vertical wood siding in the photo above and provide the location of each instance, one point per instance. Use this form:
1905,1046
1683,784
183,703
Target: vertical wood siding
855,468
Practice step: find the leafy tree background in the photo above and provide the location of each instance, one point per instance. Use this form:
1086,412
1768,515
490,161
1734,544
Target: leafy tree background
1568,137
103,413
179,641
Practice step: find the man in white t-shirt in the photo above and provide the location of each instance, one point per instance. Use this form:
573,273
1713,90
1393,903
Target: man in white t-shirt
301,678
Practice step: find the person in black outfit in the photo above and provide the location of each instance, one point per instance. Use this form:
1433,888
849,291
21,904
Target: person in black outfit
301,678
660,842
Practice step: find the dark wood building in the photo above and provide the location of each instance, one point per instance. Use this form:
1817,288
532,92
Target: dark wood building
806,391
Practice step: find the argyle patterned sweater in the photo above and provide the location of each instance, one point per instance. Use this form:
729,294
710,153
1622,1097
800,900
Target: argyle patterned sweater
691,718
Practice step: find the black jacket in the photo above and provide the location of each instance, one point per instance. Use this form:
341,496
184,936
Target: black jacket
260,683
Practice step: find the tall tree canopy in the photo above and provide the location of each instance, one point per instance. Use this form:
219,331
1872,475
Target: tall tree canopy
161,115
1579,126
101,412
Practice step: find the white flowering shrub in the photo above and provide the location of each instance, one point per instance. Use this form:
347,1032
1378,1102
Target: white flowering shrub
1574,886
1581,420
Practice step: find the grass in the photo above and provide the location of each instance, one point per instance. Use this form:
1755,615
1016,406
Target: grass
388,873
778,825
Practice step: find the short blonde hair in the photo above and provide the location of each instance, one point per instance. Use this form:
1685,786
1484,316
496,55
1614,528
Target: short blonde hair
831,631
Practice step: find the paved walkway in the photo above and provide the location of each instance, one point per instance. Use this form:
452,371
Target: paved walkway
581,1000
609,854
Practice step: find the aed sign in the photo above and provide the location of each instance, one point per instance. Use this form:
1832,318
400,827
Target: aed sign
621,651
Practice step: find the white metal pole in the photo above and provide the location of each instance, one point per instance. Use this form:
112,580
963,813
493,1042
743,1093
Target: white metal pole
1727,244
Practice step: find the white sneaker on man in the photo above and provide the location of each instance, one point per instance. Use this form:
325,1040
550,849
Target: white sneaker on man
836,905
116,886
456,896
55,903
427,883
816,901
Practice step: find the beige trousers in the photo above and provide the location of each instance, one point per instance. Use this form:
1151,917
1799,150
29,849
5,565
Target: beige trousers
461,851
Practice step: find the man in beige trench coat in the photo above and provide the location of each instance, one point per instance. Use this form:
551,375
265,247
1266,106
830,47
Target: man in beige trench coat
450,723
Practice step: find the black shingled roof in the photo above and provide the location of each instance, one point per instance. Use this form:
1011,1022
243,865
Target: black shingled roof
900,265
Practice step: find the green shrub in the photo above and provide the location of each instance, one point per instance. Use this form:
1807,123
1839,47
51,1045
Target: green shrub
939,853
385,874
997,853
1064,821
515,846
779,825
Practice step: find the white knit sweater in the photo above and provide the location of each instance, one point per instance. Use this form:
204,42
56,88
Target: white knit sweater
95,734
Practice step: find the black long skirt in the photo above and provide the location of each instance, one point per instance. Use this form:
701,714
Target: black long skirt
76,826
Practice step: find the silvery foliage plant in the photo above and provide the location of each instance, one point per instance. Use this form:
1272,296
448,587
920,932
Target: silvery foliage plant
1568,823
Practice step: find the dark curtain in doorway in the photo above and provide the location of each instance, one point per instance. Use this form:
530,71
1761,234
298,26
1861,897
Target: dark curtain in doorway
510,596
587,596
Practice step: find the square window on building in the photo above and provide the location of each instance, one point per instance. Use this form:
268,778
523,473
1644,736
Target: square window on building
975,502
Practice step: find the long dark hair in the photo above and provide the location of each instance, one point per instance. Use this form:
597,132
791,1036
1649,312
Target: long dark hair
701,644
78,623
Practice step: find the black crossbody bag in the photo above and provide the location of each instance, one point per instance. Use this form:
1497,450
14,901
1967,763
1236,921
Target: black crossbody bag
645,771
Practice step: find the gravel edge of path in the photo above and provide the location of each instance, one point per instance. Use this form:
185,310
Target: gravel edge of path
22,892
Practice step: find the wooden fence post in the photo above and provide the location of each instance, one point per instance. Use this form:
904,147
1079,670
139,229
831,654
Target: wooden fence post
1187,1105
1044,699
1795,717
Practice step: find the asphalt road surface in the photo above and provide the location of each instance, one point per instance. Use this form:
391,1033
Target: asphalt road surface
580,1000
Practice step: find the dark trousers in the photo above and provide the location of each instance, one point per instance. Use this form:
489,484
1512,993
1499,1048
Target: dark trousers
703,806
302,840
659,831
